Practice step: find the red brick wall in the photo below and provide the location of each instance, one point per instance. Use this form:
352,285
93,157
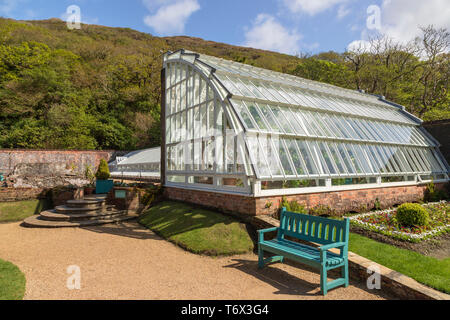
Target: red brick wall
340,201
223,202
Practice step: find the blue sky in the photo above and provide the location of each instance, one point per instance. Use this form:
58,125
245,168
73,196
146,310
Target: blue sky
288,26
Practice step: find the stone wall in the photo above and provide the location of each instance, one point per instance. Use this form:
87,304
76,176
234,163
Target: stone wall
48,168
340,201
21,194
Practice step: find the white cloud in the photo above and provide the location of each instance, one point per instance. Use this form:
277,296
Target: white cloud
171,15
359,46
311,7
268,34
401,18
343,11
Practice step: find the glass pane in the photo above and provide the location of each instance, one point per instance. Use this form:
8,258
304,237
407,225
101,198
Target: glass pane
363,160
345,157
269,117
256,116
258,156
335,155
284,157
353,158
307,157
327,158
281,119
296,158
242,110
271,155
293,121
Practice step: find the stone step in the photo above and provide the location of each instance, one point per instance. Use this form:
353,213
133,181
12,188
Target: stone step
90,203
95,197
69,210
51,215
37,222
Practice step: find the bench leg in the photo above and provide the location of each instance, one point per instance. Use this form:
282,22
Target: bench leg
344,274
323,280
260,258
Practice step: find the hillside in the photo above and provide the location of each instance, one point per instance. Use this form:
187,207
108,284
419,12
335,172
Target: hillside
99,87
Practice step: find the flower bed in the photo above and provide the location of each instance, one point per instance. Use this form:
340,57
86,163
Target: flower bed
385,222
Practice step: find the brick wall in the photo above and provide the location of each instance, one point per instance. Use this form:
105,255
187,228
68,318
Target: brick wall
340,201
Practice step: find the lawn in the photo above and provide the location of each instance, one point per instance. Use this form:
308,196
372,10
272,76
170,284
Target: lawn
427,270
17,211
12,282
198,230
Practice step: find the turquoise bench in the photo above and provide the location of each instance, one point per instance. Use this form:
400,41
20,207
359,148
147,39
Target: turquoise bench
328,233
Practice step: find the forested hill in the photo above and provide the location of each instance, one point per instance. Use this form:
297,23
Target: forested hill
99,87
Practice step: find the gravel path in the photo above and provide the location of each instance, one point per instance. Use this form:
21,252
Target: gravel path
127,261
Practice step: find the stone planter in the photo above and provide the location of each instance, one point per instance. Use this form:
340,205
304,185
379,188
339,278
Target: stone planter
89,190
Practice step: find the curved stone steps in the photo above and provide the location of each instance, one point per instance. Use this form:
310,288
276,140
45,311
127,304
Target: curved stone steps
38,222
94,203
69,210
51,215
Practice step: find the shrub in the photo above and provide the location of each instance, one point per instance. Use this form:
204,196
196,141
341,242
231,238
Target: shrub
433,195
293,206
412,214
103,171
322,210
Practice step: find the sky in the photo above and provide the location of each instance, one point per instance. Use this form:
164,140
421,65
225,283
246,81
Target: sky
286,26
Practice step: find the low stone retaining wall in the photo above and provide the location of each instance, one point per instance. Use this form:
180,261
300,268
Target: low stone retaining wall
21,194
340,201
58,196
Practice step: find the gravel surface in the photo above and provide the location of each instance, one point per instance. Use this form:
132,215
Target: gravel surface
127,261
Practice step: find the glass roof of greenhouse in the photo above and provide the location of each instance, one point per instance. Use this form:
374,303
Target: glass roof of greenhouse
298,128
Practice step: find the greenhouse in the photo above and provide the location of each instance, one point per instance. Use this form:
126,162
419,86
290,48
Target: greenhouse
140,163
237,129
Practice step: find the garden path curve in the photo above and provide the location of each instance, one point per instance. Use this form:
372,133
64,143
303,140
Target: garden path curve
127,261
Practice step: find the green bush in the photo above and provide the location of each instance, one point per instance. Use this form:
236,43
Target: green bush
322,210
103,171
293,206
434,195
412,214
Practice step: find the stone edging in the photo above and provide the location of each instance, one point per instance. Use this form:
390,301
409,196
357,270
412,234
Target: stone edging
392,282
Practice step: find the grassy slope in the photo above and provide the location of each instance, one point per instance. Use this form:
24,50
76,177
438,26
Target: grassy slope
427,270
197,230
17,211
12,282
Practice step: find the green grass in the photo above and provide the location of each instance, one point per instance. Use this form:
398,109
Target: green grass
427,270
197,230
12,282
17,211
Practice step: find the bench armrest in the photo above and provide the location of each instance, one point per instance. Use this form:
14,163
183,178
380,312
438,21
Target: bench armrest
261,232
332,245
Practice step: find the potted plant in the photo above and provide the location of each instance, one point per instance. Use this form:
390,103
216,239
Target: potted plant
103,184
89,174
